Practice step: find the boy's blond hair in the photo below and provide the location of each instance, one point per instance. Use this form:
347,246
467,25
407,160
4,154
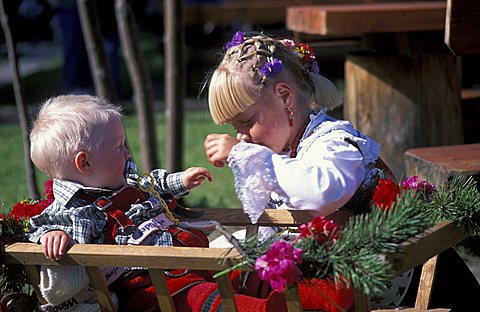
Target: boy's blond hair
238,82
66,125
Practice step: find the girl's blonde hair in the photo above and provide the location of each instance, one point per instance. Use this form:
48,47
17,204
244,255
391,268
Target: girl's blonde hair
66,125
239,79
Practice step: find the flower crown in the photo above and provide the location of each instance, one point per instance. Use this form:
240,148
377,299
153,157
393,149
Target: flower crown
273,65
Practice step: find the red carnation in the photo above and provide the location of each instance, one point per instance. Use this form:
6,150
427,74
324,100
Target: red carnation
385,194
320,228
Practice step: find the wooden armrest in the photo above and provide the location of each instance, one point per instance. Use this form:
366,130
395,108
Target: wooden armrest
271,217
432,242
196,258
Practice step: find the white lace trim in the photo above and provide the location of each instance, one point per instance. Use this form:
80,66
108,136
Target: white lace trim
254,177
319,127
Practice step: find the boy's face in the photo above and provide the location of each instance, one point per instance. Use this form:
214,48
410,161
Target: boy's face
108,162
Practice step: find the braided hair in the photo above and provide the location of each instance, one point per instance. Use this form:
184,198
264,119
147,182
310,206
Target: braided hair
253,61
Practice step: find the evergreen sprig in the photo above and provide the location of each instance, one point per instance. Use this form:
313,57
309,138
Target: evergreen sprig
356,256
458,201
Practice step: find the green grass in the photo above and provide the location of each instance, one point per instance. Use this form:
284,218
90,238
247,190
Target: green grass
198,124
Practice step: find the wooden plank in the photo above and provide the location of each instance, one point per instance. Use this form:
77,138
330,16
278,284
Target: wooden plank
432,242
101,289
138,256
349,19
236,217
34,277
462,26
292,296
161,290
226,292
362,302
271,217
426,283
437,164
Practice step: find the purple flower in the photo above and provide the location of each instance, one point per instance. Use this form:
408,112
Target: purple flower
314,68
424,187
272,67
278,266
237,39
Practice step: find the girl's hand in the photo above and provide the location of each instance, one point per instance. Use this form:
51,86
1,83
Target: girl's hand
218,147
55,244
195,176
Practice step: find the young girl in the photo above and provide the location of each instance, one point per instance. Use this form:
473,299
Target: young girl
288,153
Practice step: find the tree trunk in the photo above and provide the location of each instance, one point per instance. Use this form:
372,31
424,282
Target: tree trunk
99,63
141,83
20,100
175,81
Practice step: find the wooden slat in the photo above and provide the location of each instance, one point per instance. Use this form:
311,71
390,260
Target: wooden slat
271,217
462,26
362,301
226,292
101,289
292,296
161,290
350,19
138,256
432,242
426,283
236,217
34,277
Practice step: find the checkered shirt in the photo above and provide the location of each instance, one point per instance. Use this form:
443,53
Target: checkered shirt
85,223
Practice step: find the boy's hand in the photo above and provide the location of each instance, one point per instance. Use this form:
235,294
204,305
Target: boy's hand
218,147
194,176
55,244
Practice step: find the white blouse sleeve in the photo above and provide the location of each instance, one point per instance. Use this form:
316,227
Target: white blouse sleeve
324,176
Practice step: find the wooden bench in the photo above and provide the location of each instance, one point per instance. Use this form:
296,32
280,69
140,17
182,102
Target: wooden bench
92,257
402,87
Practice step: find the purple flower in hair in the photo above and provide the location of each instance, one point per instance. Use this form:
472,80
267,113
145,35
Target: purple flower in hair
237,39
314,68
272,67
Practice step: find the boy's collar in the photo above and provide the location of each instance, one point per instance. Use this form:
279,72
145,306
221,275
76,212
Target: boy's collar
65,190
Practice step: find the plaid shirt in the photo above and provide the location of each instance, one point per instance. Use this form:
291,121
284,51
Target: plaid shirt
85,223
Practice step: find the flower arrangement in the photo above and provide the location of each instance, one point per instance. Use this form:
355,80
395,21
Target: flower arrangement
13,226
303,51
350,256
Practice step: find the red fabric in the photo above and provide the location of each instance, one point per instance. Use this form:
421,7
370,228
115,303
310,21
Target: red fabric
312,298
197,297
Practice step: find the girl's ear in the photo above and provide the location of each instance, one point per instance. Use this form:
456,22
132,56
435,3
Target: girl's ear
81,162
285,93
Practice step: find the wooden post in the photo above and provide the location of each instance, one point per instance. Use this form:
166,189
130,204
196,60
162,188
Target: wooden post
20,100
99,63
174,82
141,83
404,102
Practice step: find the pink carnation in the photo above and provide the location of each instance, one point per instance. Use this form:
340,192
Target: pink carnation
278,265
412,183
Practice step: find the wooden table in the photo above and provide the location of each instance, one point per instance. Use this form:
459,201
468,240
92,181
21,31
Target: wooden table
403,88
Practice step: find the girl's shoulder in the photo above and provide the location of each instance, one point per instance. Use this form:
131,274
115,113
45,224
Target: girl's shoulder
322,124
